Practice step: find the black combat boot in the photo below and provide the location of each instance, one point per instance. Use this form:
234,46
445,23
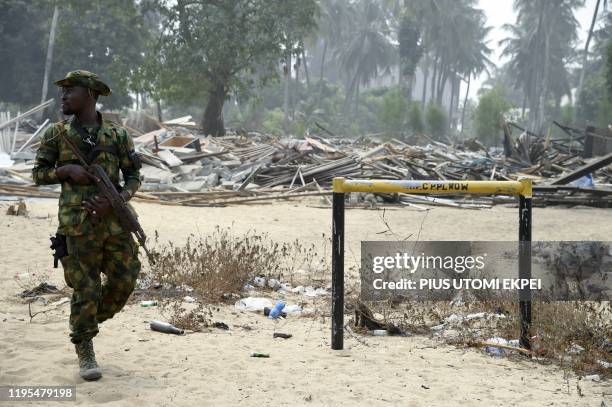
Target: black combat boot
89,369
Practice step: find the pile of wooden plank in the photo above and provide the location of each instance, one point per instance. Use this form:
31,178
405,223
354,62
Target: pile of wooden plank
184,167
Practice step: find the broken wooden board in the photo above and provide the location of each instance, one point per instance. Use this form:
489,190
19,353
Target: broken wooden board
169,158
584,170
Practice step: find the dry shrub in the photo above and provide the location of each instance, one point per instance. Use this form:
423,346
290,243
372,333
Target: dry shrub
563,325
194,319
557,327
219,265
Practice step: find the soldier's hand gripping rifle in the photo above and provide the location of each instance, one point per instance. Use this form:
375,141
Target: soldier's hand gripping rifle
126,217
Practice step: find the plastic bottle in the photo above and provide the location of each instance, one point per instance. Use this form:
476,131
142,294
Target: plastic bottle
166,328
267,310
276,311
151,303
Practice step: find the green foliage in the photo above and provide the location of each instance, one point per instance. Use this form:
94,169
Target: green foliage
567,115
410,49
415,117
491,107
541,43
436,120
108,38
24,29
593,106
273,122
228,44
392,112
369,50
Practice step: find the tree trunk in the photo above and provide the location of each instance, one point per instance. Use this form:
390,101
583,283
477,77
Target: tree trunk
323,60
450,107
544,95
443,77
159,110
537,69
424,93
433,80
357,99
294,86
349,93
212,123
586,50
287,75
49,60
467,92
305,67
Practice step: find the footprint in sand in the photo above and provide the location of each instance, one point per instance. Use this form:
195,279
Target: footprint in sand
102,397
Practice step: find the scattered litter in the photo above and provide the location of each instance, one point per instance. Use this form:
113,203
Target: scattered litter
274,283
166,328
437,328
504,345
259,355
59,302
149,303
575,349
253,304
592,377
221,325
259,281
277,310
379,332
266,312
189,299
293,309
42,288
314,292
281,335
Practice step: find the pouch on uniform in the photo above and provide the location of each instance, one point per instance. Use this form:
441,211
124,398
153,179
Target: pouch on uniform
58,244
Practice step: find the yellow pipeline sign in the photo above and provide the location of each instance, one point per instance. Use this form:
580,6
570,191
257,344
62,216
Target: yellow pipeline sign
521,187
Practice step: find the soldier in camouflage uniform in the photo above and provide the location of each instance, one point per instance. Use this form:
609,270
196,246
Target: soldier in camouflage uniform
93,236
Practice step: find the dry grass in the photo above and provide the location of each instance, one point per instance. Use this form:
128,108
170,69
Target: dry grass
221,264
216,268
193,319
557,328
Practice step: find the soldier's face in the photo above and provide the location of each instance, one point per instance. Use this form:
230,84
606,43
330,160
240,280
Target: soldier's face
74,99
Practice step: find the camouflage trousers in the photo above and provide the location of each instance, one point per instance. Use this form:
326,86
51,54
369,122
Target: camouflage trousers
93,302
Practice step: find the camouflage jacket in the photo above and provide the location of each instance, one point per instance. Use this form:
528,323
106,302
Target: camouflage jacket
54,152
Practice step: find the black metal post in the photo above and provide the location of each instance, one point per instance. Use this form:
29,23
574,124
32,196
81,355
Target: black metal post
525,269
337,339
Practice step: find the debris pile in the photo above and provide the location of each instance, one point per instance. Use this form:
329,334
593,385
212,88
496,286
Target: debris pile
184,167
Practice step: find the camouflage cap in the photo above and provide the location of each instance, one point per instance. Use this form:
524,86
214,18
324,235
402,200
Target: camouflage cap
86,79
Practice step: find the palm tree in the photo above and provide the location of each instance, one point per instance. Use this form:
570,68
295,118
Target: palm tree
453,40
369,49
586,47
410,51
539,47
475,56
334,23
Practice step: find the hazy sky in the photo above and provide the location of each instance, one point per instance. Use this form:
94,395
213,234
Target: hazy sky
500,12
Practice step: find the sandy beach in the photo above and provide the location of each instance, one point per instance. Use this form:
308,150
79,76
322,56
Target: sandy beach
145,368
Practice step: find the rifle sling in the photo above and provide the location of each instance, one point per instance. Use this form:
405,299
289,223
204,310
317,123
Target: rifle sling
97,149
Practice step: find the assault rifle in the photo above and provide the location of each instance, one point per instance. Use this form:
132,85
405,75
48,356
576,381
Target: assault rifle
126,217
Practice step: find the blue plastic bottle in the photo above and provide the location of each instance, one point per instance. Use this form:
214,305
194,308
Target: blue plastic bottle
276,311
